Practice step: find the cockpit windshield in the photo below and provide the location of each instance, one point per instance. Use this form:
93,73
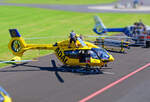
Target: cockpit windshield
93,54
101,53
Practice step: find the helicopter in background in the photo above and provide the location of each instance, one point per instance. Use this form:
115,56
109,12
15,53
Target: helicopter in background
138,32
86,54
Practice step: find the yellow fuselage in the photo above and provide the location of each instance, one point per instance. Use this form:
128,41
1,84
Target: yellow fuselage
18,46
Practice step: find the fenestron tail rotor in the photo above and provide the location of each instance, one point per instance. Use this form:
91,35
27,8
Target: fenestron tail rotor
17,44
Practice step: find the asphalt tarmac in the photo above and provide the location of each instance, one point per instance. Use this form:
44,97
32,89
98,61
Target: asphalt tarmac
40,81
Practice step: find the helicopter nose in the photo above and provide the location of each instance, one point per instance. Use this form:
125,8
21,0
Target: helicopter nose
111,59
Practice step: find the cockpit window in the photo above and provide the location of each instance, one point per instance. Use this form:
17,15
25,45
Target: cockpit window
93,54
72,54
102,54
80,53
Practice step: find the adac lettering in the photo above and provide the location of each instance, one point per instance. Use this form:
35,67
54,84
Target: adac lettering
60,54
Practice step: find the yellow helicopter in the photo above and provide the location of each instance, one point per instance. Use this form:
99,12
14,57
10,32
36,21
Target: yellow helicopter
4,96
86,54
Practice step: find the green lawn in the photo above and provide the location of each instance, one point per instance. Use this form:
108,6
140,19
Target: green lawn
61,1
35,22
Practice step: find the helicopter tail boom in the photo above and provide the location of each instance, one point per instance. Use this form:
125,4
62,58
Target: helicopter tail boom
18,46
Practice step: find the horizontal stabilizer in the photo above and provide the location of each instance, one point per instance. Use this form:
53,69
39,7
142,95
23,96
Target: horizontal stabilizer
111,36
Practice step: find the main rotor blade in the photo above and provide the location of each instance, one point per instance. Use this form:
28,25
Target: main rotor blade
45,37
81,41
110,36
16,61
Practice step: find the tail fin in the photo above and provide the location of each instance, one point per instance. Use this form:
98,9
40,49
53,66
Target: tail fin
17,44
99,27
14,33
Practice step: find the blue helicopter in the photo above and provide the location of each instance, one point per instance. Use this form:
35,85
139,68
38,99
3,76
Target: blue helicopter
138,32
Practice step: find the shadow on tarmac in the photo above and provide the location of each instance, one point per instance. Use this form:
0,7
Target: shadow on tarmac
54,68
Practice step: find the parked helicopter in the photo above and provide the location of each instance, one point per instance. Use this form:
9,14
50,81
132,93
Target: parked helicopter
138,32
4,96
86,54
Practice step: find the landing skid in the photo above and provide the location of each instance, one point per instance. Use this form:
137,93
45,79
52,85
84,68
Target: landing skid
83,70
